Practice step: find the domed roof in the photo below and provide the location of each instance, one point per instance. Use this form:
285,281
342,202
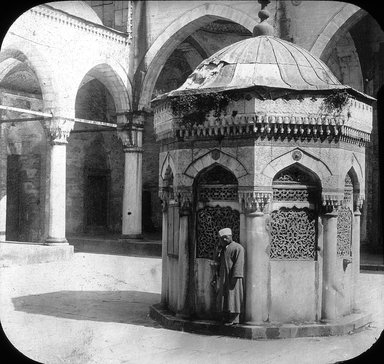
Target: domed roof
77,8
265,61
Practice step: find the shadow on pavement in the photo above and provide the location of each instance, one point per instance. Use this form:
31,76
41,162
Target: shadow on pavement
130,307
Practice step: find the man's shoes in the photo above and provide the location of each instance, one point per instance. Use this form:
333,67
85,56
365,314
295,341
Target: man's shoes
230,323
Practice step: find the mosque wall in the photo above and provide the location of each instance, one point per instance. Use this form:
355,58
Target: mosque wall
23,162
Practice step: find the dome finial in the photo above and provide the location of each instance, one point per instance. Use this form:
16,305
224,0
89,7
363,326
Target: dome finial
263,28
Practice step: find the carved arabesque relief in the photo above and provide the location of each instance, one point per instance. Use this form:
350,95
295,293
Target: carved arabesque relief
344,221
283,194
225,193
209,221
344,232
215,185
293,232
294,229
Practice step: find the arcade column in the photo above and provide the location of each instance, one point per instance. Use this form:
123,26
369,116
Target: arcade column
57,130
183,261
3,183
131,134
355,255
328,311
164,255
257,258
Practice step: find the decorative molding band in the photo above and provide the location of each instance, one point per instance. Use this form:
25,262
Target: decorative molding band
130,149
275,127
130,21
49,12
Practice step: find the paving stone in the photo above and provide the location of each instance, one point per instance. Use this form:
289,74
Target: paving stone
95,309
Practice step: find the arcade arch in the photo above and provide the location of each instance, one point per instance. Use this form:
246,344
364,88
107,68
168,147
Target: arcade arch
22,66
176,33
24,84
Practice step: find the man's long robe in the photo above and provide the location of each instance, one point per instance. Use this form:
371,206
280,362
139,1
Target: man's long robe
230,297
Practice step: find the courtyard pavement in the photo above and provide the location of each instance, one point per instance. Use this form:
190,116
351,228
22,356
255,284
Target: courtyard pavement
94,309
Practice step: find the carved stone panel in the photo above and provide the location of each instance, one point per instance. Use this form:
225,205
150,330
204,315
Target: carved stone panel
344,232
209,221
293,232
284,194
218,193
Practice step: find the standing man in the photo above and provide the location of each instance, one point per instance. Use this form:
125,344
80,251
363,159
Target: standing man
231,273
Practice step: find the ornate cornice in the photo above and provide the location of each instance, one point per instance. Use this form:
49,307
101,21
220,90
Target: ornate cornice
281,127
62,17
298,117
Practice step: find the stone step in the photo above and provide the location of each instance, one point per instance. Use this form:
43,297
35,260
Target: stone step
21,253
371,267
132,247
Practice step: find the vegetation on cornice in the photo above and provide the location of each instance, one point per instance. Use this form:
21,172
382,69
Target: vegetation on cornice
193,109
335,102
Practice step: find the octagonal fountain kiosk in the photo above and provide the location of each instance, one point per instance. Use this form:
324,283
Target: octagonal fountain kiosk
263,138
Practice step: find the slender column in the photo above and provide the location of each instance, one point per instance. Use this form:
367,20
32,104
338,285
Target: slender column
164,255
132,204
130,134
243,231
355,256
256,310
183,260
328,311
58,130
3,183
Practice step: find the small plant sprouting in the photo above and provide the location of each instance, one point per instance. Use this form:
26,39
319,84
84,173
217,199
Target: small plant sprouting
336,101
194,108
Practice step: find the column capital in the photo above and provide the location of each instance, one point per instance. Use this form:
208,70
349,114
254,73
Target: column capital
165,195
130,128
358,200
332,201
58,129
253,201
184,196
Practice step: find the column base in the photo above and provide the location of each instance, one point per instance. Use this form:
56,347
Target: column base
131,236
255,323
56,241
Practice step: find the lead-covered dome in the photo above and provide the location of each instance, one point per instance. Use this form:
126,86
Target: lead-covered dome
265,61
